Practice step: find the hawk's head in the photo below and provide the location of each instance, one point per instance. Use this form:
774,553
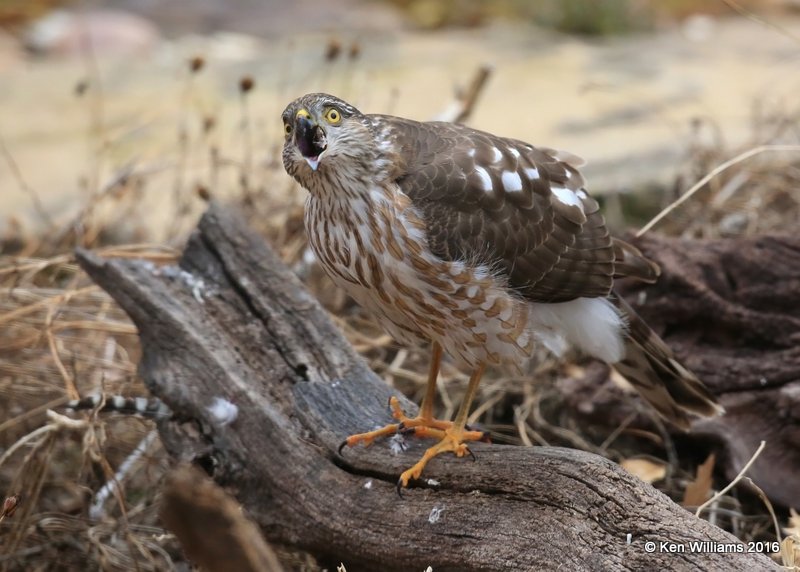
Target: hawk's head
326,138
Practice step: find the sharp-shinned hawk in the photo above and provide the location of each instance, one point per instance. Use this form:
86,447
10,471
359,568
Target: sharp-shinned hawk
481,245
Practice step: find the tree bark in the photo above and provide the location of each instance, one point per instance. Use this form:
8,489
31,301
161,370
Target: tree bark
236,324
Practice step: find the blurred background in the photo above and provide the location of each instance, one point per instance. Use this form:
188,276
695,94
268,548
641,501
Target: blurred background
92,92
119,120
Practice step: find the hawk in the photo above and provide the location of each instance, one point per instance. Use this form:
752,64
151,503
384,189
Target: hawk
480,245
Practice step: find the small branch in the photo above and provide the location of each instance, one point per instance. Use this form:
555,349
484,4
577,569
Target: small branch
716,171
56,423
96,510
766,23
763,496
732,484
461,109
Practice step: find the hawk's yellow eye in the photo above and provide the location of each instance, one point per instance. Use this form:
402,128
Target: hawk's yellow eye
333,116
287,129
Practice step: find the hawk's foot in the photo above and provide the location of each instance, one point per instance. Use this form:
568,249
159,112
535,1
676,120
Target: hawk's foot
453,441
420,426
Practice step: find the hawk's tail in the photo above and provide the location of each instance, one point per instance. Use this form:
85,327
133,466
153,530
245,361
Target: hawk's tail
652,368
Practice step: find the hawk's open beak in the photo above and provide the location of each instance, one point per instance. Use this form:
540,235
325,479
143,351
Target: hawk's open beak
310,140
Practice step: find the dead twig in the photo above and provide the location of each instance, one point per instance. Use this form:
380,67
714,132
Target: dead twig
461,109
732,484
714,172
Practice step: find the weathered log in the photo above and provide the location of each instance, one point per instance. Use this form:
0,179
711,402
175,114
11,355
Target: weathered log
731,311
250,333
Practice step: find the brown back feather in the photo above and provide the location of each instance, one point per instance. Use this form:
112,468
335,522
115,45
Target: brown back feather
549,250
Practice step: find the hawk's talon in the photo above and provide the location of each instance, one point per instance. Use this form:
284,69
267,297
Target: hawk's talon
471,454
418,426
452,441
403,429
342,445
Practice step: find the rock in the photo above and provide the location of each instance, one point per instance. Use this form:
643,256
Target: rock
107,32
11,55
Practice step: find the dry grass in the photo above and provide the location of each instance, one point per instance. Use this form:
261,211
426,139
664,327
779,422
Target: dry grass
61,337
753,188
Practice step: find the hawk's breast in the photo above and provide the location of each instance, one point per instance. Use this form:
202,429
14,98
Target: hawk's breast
376,248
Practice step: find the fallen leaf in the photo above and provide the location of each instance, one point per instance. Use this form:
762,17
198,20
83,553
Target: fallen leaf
647,470
697,492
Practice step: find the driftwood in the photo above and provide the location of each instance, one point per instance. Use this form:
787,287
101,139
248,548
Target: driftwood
251,334
731,311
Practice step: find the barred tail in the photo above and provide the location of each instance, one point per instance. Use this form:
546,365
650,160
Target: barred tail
651,367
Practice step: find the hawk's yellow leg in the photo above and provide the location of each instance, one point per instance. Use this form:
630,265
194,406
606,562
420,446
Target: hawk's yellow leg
423,425
454,437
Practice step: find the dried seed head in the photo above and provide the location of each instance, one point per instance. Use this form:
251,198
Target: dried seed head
333,49
10,505
196,64
209,122
81,87
247,83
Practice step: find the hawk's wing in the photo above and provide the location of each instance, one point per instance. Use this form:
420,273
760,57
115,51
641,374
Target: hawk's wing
518,208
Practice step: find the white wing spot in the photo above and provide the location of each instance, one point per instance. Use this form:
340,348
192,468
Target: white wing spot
567,197
497,155
512,181
486,180
532,173
582,194
513,152
471,152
